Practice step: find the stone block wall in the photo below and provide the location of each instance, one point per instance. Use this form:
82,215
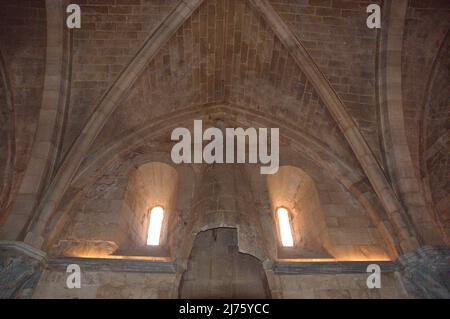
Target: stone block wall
97,284
108,284
425,31
436,138
350,234
350,229
224,53
97,218
216,269
111,34
114,209
425,77
339,286
335,34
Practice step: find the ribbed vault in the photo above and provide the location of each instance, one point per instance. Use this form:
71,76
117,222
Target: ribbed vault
336,36
238,54
225,53
206,53
363,115
435,139
23,54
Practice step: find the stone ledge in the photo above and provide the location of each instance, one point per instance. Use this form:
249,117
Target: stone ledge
342,267
25,249
115,265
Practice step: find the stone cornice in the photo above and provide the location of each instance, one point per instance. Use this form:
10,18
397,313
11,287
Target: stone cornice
331,268
114,265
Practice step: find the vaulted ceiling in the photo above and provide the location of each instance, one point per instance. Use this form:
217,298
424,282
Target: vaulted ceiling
226,53
109,38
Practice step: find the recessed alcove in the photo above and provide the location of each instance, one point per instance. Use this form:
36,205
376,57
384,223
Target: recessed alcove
112,217
291,188
150,185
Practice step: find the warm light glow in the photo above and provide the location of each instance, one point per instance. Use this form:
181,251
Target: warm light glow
155,225
285,227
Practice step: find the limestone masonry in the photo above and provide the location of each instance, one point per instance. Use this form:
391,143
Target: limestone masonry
224,149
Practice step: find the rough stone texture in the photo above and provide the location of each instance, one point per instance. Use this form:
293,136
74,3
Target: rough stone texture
425,93
114,213
426,272
20,270
223,199
220,199
216,269
97,218
294,190
152,184
336,36
352,233
224,65
225,53
342,286
426,27
44,153
110,36
105,284
436,142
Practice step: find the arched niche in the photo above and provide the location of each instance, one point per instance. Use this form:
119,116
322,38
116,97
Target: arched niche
149,185
293,189
111,215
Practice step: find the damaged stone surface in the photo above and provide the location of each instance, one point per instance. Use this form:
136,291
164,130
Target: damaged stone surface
426,272
20,269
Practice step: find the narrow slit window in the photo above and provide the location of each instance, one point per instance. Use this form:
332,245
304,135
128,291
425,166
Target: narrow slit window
155,225
285,227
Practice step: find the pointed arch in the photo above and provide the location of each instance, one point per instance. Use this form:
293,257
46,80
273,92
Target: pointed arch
335,167
103,110
335,106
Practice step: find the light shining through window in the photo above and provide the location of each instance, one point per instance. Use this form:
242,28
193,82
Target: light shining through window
155,225
285,227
